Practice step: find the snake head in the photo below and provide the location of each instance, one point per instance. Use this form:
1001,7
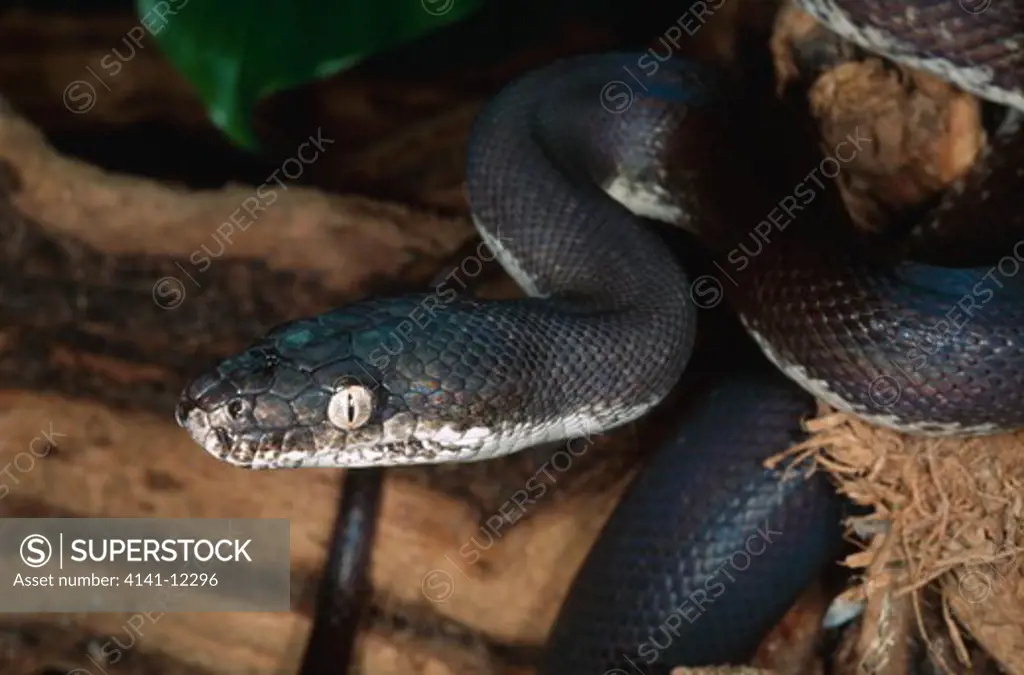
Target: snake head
326,392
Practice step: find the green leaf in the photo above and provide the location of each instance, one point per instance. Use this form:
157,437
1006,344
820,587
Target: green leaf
235,52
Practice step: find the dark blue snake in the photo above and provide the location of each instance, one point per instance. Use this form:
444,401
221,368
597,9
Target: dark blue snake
560,165
707,550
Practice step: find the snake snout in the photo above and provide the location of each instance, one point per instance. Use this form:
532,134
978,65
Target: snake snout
217,414
181,411
238,409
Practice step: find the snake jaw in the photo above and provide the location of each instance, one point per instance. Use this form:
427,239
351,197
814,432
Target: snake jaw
208,429
332,447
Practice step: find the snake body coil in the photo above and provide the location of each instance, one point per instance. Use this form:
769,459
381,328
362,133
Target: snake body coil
553,163
707,550
610,326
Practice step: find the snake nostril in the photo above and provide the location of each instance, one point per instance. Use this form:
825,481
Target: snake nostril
181,411
236,408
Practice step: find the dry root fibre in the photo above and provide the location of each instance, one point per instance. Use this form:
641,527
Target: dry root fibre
944,511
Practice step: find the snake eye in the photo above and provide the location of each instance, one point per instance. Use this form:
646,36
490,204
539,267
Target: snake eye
350,407
235,408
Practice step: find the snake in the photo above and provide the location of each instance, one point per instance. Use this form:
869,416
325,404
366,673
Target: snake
566,168
727,545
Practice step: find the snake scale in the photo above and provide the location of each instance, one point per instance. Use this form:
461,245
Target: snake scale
557,178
